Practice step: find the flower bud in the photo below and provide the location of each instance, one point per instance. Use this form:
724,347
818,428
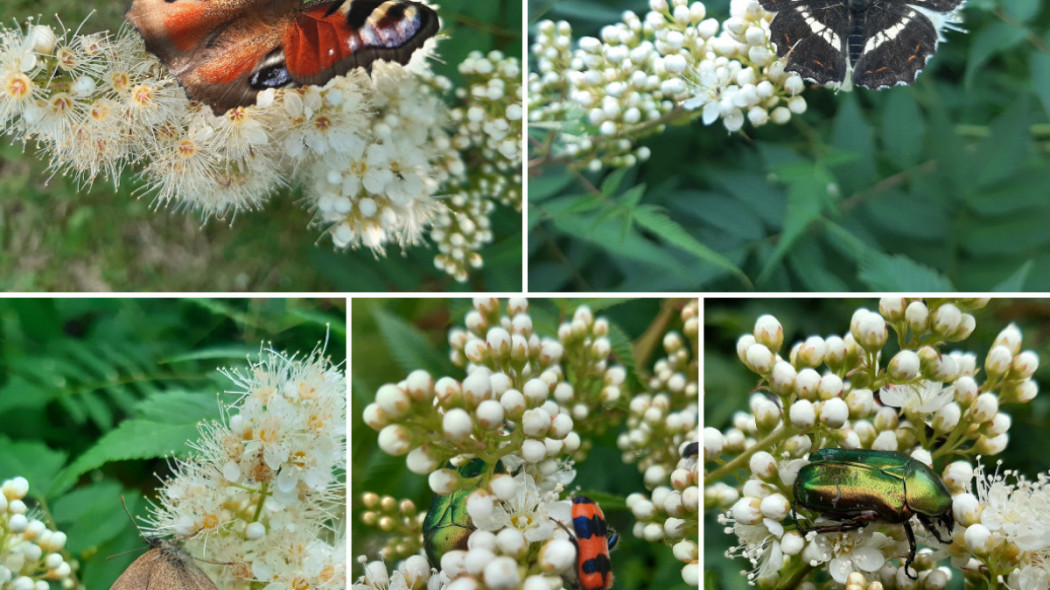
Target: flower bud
713,442
742,344
947,418
760,359
775,506
904,366
747,510
965,391
917,315
835,352
1024,365
946,319
782,379
991,446
998,361
803,414
957,476
763,466
869,330
892,308
1010,337
978,539
769,332
807,383
811,353
966,509
985,408
834,412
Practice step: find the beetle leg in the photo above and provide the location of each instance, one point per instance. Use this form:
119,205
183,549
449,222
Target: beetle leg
911,555
926,522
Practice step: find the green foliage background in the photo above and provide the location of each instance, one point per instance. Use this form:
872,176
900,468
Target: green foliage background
56,237
392,337
95,394
728,384
942,186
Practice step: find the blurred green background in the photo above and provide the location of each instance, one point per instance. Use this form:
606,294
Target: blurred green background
939,186
728,384
392,337
74,372
56,237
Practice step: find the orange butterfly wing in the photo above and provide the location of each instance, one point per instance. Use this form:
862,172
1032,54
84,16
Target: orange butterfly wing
332,37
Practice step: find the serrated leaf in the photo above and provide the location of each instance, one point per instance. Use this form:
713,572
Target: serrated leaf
655,220
178,407
1020,192
882,272
552,182
131,439
224,353
410,347
807,196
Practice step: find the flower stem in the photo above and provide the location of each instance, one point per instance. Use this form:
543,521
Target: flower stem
780,434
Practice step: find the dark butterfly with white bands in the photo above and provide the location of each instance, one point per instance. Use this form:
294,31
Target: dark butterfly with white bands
870,43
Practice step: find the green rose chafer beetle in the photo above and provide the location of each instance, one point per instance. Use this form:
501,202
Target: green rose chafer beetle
858,486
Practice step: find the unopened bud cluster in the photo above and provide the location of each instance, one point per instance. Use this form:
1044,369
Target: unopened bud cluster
839,391
673,65
400,520
31,554
487,140
661,423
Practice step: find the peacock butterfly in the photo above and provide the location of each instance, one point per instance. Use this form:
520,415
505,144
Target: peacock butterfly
225,51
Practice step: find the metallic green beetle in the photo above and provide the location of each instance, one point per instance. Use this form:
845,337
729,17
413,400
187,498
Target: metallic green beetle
857,486
447,524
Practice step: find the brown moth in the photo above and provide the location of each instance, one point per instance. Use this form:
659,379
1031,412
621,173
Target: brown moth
164,567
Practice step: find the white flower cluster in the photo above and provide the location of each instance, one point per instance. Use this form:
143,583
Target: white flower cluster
740,73
488,135
644,73
1007,525
263,492
30,553
929,401
662,430
372,150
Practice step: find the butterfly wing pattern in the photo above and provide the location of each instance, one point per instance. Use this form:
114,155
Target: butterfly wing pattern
871,43
225,51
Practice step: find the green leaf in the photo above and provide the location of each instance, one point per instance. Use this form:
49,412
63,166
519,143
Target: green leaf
91,515
1020,192
1004,150
1016,281
161,435
655,220
882,272
992,40
903,128
807,197
410,347
1022,10
222,353
1039,72
552,181
1009,235
34,461
853,133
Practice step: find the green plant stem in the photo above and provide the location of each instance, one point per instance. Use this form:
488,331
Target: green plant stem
782,433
